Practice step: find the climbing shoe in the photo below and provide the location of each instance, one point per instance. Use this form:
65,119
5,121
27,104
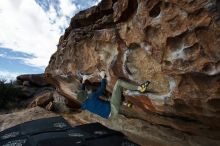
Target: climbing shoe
143,87
127,104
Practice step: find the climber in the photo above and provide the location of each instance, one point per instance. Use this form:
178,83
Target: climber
96,103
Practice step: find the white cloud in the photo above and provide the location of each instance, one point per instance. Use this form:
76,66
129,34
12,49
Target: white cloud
6,75
67,8
26,27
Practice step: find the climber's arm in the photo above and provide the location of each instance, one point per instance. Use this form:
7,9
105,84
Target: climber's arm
101,88
83,86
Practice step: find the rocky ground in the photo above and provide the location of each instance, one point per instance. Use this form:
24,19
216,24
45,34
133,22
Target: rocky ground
174,44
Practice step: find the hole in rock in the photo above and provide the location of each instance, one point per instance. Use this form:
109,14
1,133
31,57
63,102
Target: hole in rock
128,28
114,1
155,11
218,5
150,31
166,5
215,103
167,63
130,11
176,43
134,46
212,68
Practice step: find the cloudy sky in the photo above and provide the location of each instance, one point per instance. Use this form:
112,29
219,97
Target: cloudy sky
30,30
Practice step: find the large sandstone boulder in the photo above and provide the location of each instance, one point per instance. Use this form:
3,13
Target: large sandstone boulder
50,100
32,85
174,44
42,99
34,79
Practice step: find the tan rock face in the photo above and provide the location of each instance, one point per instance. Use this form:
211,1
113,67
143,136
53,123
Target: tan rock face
42,100
174,44
35,79
31,85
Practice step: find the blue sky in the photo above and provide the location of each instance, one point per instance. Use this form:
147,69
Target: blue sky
30,30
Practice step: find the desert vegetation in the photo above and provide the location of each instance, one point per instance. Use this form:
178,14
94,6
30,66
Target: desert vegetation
9,95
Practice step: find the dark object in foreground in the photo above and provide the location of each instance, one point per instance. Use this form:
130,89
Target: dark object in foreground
57,132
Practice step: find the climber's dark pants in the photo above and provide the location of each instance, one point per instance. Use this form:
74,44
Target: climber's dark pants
116,100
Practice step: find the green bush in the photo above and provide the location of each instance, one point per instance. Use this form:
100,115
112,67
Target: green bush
8,93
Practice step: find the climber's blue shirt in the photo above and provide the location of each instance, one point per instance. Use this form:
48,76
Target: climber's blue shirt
96,105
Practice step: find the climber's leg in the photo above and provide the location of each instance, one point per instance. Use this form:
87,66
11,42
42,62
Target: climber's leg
117,93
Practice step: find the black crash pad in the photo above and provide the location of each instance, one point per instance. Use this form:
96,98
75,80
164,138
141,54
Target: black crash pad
34,127
18,141
57,132
107,141
97,130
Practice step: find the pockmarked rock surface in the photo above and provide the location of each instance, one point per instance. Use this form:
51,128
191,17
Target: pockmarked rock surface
174,44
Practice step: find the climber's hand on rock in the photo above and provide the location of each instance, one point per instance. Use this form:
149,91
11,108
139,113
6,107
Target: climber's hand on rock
84,77
102,74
